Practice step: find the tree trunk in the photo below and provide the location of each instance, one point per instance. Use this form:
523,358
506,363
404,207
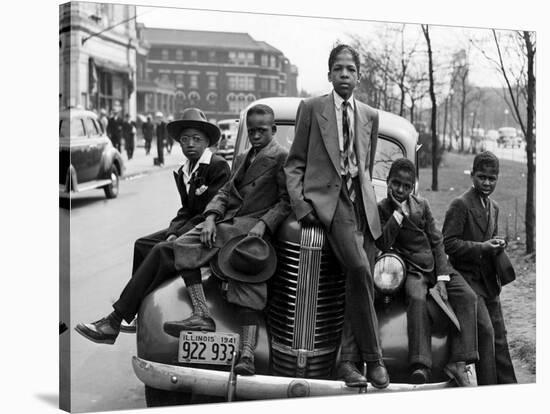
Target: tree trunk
435,142
462,110
530,218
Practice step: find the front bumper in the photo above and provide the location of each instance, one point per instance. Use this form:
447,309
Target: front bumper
256,387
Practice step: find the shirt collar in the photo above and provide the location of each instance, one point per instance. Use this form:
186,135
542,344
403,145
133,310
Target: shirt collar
338,100
205,158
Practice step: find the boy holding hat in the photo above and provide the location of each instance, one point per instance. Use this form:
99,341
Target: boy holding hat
197,180
249,207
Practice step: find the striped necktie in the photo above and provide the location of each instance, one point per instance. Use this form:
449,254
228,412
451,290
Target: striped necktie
347,151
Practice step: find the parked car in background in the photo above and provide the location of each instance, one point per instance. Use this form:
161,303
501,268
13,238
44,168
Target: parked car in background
477,140
226,145
508,137
299,339
87,158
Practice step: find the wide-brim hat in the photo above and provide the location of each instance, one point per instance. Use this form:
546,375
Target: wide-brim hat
246,258
194,118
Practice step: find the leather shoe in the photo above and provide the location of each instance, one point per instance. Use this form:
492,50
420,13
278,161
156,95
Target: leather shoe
420,375
348,372
377,374
459,373
103,331
193,323
245,366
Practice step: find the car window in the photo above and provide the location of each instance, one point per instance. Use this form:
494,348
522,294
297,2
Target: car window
64,129
91,127
77,128
386,152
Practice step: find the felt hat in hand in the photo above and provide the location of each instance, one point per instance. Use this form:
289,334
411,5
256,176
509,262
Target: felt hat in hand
194,118
246,259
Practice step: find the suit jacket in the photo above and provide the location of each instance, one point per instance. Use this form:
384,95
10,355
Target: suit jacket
466,226
214,176
259,193
313,165
417,240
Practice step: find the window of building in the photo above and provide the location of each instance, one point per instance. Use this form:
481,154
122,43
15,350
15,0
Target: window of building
194,81
250,98
264,60
242,82
212,98
264,85
273,62
194,56
194,98
179,80
250,58
274,83
241,58
165,54
212,81
212,56
179,54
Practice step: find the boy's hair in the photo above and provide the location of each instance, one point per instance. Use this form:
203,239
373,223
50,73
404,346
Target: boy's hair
260,109
337,50
485,159
402,164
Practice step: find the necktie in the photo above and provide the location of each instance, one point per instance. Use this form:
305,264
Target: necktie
347,150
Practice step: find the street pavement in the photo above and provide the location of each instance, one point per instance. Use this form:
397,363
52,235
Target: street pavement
143,164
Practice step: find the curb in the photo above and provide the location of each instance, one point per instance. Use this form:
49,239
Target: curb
148,171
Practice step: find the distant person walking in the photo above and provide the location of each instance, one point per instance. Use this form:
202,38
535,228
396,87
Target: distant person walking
161,135
114,130
148,129
169,139
103,119
129,134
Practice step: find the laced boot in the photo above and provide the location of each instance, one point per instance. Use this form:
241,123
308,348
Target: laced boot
200,320
245,365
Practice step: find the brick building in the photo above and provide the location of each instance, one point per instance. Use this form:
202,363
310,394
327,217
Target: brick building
220,72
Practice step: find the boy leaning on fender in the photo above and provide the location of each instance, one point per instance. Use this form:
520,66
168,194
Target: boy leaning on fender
408,228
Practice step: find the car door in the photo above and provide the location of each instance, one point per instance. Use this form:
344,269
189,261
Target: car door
96,146
79,149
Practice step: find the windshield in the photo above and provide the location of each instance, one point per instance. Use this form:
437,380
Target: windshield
64,129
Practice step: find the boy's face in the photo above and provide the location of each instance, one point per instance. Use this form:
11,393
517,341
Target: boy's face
260,129
401,185
193,143
344,75
485,180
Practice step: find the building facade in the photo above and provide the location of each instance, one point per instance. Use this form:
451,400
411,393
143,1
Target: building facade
219,72
98,46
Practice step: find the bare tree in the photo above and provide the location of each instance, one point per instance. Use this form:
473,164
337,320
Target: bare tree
435,143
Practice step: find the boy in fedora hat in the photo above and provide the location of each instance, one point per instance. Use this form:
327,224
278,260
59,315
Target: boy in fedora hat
254,202
470,234
197,180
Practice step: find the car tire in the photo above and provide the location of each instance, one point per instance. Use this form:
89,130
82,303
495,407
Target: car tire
161,398
111,190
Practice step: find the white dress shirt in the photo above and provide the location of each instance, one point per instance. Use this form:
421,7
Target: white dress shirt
204,159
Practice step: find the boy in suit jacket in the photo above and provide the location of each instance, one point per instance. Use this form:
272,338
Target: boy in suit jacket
328,173
470,231
409,229
253,202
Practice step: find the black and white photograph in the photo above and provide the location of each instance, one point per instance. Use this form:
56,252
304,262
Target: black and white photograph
261,206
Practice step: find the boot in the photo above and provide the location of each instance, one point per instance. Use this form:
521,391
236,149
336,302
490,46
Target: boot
245,365
103,331
200,320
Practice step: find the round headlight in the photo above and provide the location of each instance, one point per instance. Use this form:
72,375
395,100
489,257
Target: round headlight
389,273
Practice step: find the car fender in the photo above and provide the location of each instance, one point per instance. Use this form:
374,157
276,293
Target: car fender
111,157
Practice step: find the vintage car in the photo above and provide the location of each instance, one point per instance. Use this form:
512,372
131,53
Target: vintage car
508,137
228,129
87,158
299,340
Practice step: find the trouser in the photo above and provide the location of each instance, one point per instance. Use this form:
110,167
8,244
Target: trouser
156,268
350,239
147,145
495,364
129,146
463,301
160,150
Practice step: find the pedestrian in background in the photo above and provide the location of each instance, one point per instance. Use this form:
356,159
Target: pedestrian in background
114,129
129,134
103,119
161,135
148,129
169,139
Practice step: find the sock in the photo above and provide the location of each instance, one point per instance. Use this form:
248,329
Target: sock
115,318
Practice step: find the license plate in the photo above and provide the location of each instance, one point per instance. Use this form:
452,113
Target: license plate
207,347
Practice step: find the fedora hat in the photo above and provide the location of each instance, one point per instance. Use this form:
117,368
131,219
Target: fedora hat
245,259
194,118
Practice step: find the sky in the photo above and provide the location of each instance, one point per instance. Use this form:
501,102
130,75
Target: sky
307,41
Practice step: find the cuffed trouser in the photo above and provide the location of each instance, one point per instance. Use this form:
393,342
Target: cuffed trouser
495,364
463,301
350,239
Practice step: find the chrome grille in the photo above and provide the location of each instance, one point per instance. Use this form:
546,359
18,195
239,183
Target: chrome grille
306,307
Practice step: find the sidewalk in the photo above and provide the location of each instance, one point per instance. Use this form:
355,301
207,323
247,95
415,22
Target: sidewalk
143,164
